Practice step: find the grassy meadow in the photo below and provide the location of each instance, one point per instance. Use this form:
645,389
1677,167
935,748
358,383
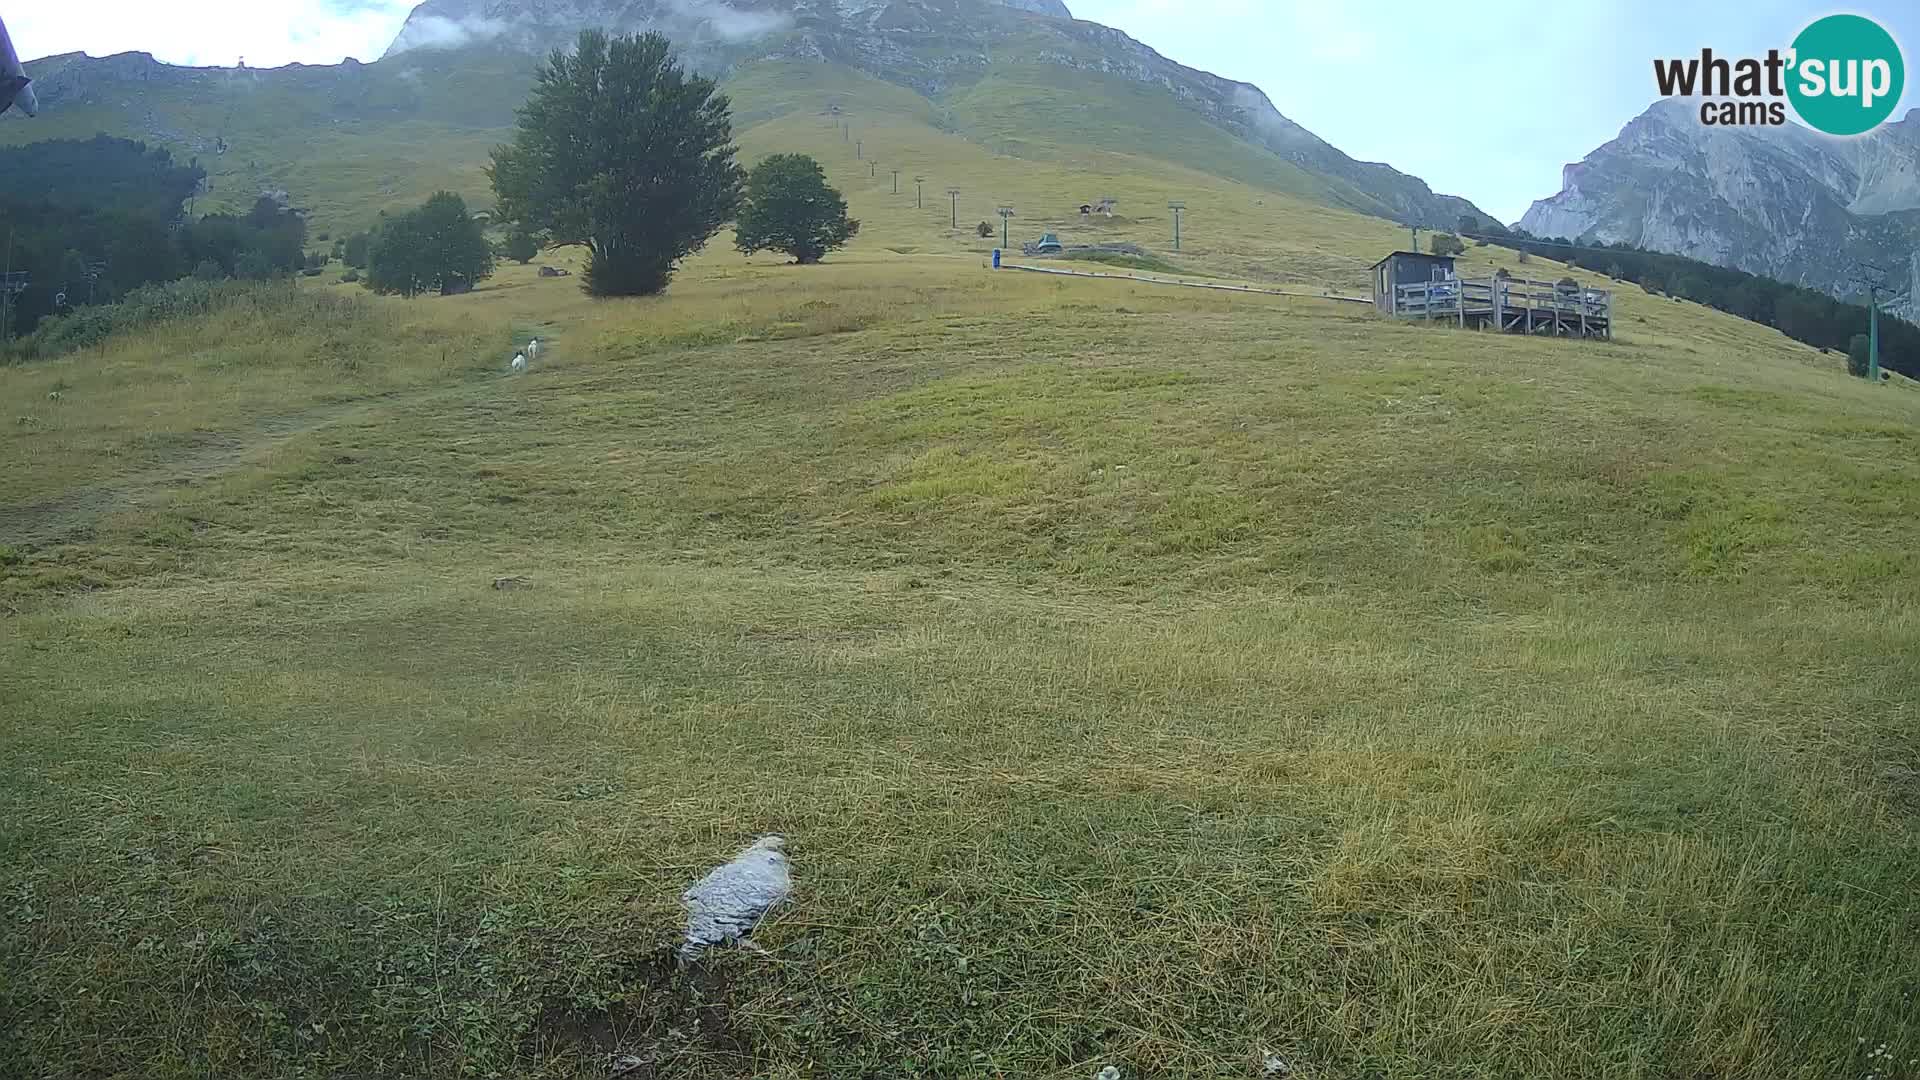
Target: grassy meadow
1141,676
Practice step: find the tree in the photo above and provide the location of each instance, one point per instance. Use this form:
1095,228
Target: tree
393,263
1448,244
428,248
253,266
1858,355
521,246
208,270
622,151
73,271
790,207
354,252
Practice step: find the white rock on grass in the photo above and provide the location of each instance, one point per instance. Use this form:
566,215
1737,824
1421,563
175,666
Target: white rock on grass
729,902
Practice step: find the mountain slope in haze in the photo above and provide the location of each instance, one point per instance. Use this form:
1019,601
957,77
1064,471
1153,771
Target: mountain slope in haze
1021,76
1785,202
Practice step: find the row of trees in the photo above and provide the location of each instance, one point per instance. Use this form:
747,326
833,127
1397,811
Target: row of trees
1803,314
639,188
642,188
89,220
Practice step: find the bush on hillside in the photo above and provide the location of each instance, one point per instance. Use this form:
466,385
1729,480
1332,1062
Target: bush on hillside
144,307
1859,355
1447,244
521,247
984,230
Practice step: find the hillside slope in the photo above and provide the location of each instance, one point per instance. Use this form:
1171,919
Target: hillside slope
353,138
1140,676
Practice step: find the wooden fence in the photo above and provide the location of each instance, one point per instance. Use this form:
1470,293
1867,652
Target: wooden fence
1510,305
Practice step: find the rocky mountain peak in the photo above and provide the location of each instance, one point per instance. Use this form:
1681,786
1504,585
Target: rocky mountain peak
1787,202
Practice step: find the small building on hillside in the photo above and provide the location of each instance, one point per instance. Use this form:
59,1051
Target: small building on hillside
1407,268
1412,285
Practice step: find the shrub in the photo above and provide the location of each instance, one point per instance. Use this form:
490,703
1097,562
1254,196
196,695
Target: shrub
350,276
985,230
143,307
1447,244
208,270
521,247
1859,357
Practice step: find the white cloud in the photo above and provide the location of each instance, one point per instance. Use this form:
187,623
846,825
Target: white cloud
439,32
730,22
268,33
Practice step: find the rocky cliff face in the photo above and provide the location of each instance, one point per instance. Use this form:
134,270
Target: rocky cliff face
1785,202
931,46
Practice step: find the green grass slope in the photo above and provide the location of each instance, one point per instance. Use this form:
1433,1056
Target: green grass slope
1142,677
352,140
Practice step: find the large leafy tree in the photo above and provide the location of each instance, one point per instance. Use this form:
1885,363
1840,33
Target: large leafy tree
619,149
429,248
791,208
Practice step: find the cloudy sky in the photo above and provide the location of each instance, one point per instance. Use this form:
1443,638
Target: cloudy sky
1403,81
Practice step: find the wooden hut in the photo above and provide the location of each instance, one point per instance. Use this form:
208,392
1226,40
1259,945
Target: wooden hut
1407,268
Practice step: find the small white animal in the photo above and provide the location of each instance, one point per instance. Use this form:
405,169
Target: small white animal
533,349
519,364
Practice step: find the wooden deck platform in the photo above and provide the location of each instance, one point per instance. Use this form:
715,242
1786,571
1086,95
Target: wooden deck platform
1509,305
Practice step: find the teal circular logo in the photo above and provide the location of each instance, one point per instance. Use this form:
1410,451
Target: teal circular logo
1847,75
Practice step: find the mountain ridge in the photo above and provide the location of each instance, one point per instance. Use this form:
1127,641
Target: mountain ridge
1788,202
939,49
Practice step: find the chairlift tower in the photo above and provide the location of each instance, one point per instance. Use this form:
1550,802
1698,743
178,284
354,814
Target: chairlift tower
1006,215
1875,285
918,181
12,284
94,270
954,194
1178,208
896,181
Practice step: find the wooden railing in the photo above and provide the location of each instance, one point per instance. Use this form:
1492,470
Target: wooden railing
1507,298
